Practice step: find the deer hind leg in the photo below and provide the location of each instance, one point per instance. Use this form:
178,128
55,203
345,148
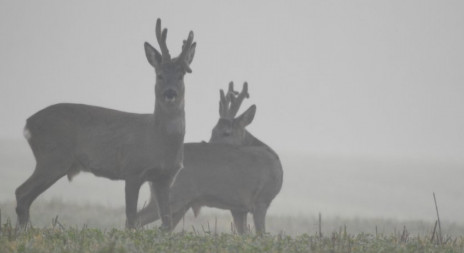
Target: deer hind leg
259,218
240,220
132,195
41,179
177,215
149,213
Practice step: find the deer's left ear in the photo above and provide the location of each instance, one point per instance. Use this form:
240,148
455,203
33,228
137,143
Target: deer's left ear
153,56
191,53
247,117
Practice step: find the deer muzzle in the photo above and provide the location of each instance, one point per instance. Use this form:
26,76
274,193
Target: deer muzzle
170,95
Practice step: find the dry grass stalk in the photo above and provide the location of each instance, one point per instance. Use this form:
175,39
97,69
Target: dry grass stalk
439,236
434,231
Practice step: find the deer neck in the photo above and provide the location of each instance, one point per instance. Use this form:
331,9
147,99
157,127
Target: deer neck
169,134
169,122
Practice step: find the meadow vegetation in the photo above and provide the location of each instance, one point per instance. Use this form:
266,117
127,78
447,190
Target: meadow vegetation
81,228
72,239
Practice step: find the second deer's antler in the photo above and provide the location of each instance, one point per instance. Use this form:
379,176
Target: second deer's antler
230,103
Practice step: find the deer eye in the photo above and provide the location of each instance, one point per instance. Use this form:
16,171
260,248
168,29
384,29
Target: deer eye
159,77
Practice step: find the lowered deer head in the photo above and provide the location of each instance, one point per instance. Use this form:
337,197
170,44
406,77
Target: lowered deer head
69,138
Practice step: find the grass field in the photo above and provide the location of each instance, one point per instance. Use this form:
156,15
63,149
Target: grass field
58,239
61,227
103,217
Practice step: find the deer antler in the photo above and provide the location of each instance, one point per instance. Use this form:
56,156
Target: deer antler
186,46
236,101
230,104
223,104
231,91
161,37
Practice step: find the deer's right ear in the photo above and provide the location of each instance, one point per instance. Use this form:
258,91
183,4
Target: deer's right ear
247,117
153,56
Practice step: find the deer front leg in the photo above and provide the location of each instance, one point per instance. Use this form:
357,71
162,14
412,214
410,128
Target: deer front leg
162,195
132,195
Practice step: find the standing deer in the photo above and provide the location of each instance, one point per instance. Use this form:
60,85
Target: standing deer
235,171
69,138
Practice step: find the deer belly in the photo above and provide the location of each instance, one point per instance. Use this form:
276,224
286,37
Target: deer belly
88,163
228,203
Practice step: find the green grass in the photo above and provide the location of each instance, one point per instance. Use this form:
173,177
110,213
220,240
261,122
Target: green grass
105,218
58,239
93,228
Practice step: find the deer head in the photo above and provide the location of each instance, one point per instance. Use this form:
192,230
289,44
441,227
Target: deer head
231,129
169,86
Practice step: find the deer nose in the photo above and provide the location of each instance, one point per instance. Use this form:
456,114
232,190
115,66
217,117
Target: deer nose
170,95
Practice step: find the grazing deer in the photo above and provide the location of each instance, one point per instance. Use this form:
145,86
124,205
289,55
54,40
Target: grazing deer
69,138
235,171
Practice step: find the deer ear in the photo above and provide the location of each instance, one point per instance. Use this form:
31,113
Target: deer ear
247,117
153,56
191,53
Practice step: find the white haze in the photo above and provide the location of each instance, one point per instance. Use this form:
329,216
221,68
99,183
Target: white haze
363,100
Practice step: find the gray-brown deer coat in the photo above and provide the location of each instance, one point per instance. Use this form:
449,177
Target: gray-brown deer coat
69,138
235,171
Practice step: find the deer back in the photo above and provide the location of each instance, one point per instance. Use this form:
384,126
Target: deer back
227,176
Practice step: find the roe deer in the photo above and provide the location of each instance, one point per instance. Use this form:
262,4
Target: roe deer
235,171
69,138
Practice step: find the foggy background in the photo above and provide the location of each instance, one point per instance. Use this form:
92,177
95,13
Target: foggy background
363,100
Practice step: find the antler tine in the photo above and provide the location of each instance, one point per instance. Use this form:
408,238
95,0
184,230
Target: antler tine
226,99
236,101
231,91
245,90
161,37
223,104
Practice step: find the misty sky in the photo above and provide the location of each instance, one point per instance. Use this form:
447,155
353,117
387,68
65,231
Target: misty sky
382,78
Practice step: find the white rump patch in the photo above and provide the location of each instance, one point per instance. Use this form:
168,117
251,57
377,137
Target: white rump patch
27,134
